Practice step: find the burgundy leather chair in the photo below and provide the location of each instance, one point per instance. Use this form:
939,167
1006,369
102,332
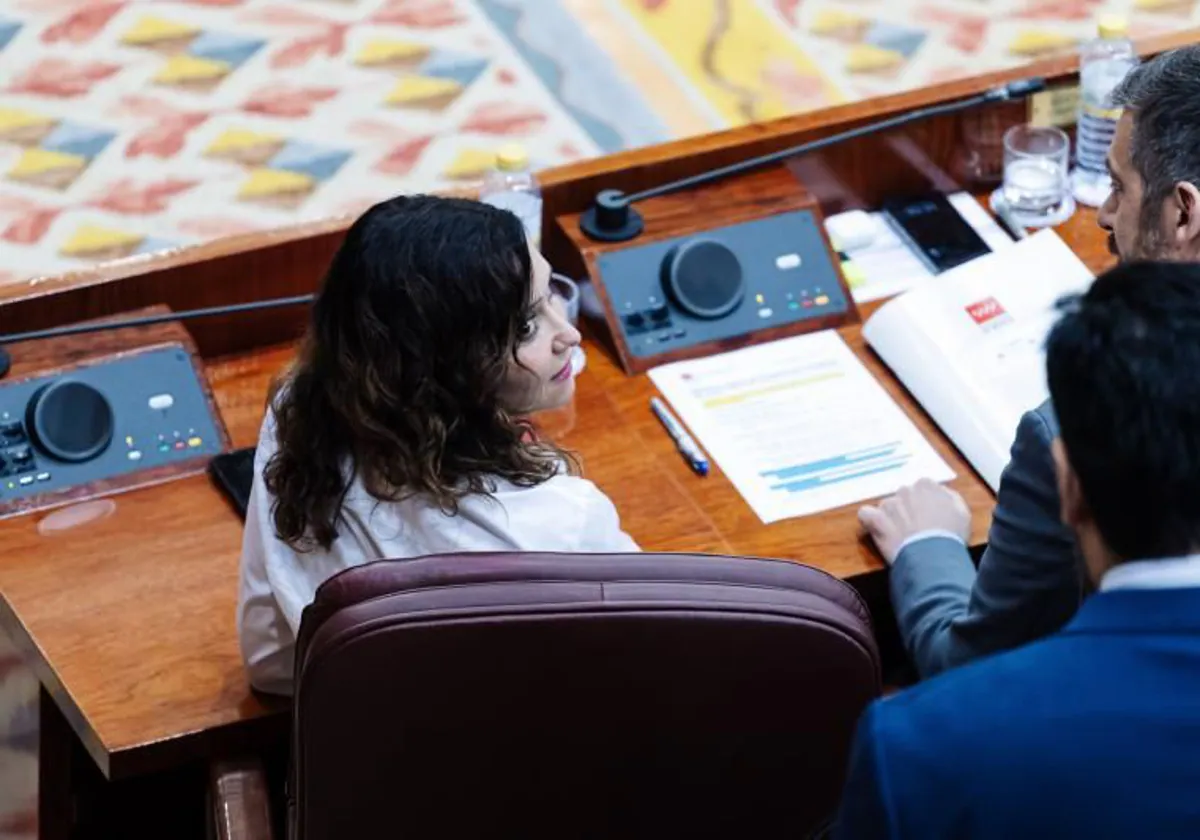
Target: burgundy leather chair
540,695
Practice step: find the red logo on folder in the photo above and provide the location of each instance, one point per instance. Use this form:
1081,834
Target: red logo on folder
988,309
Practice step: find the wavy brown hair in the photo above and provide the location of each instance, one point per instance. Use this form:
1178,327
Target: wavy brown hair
398,378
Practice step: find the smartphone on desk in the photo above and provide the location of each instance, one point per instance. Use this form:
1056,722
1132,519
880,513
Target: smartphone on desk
935,231
233,473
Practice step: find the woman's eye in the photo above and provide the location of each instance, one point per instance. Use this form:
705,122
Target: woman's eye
528,329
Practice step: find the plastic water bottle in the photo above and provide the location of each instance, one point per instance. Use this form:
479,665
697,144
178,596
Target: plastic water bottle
1104,61
511,185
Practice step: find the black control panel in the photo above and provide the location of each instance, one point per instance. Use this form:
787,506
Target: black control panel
724,283
102,421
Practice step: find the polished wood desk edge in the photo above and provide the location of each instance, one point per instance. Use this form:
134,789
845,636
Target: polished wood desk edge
268,726
34,658
249,735
260,727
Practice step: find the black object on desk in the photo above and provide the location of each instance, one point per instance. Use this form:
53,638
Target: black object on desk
935,231
234,474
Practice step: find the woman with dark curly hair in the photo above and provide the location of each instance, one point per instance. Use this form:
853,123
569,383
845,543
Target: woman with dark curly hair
401,431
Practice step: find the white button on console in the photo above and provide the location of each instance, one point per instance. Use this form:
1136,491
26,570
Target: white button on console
765,312
161,402
786,262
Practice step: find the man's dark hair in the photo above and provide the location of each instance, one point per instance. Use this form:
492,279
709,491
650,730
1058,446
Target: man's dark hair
1165,145
1123,365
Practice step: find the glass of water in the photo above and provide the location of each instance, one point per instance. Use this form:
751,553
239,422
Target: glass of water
1036,188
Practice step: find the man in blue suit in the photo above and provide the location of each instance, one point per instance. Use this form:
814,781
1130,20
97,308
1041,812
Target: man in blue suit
1027,584
1093,731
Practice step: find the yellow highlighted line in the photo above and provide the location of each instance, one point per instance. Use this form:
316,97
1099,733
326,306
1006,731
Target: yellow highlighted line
717,402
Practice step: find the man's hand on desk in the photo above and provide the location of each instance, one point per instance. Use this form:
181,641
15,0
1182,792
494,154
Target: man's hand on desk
924,506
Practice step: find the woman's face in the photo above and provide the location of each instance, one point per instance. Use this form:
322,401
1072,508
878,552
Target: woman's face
541,376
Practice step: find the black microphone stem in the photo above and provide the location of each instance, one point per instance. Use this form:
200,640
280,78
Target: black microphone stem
149,320
611,218
812,146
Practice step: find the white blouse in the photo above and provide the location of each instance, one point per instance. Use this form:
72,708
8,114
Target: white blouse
565,513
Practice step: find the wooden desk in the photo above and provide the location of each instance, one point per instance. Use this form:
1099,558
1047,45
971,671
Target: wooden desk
129,621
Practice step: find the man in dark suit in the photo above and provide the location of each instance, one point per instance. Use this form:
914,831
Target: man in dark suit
1093,731
1027,584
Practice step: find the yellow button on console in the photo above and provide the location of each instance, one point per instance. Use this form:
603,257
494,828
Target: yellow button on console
821,300
194,442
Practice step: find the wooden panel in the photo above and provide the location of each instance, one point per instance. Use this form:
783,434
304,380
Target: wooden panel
292,261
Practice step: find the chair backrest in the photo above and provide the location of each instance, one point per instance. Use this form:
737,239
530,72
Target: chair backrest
543,695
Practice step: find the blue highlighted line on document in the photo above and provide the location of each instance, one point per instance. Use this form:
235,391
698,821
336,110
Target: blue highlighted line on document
863,462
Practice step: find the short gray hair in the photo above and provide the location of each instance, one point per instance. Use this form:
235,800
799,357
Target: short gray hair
1164,95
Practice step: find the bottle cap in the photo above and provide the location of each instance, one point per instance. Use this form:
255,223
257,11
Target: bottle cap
1112,26
512,158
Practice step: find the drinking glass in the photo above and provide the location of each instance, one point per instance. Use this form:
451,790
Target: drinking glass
1035,188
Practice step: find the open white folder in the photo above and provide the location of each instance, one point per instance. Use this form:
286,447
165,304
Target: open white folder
970,346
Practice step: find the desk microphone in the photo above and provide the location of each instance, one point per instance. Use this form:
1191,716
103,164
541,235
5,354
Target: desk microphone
146,321
611,218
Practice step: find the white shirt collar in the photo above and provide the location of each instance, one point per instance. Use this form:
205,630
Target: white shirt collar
1168,573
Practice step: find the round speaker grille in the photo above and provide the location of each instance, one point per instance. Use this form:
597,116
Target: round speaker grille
70,421
704,278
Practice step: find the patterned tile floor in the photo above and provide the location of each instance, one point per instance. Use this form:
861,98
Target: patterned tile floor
132,126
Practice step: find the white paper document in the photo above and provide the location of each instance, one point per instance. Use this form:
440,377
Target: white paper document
799,425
